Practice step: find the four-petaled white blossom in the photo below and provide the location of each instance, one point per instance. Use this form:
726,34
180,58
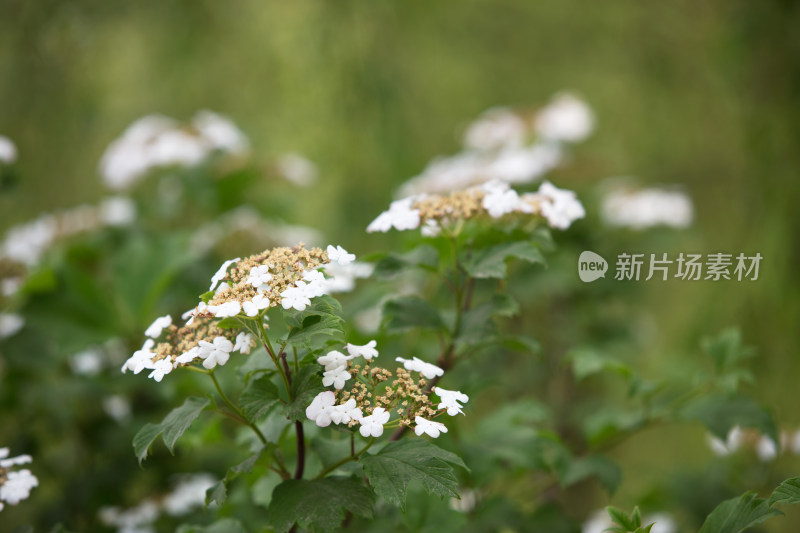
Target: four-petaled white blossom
500,200
252,307
560,207
429,427
140,359
187,357
322,408
339,255
227,309
314,284
400,216
161,369
450,399
244,343
336,377
222,272
216,353
367,351
154,330
372,425
344,413
295,297
260,277
418,365
333,360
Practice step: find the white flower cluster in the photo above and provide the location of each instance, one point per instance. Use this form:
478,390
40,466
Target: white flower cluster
158,141
15,485
10,323
765,447
27,242
8,150
506,145
187,496
324,410
559,207
647,208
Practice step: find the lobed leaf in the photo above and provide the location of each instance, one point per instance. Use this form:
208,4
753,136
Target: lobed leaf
491,262
171,428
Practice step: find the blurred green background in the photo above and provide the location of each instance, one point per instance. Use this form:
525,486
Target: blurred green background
700,94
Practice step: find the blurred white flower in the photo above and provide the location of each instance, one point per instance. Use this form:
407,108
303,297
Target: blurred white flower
500,200
399,216
141,359
372,425
221,133
117,407
339,255
188,495
429,427
244,343
87,363
495,128
418,365
646,208
766,449
117,211
137,519
8,150
366,351
15,485
343,277
466,502
297,169
10,323
10,286
732,444
566,118
560,207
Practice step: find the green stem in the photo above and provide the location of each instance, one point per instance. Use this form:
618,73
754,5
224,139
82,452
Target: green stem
235,409
345,460
273,356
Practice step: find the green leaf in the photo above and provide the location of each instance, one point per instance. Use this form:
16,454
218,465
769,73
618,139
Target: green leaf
738,514
408,312
171,428
721,412
306,384
587,362
491,262
258,398
604,469
620,518
726,349
423,256
230,322
390,470
787,492
319,504
322,317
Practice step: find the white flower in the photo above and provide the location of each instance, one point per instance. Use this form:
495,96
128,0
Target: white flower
431,228
733,442
87,363
10,323
201,308
566,118
6,462
321,408
647,208
117,407
334,360
161,369
117,211
252,307
372,425
222,272
297,169
450,400
339,255
294,297
314,285
222,287
216,353
220,133
10,286
344,276
560,207
187,357
244,343
140,359
344,413
154,330
260,277
495,128
8,151
501,200
227,309
189,494
336,377
17,486
418,365
428,427
400,216
766,449
367,351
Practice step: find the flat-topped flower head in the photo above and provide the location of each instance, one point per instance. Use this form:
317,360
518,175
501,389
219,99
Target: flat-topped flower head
428,370
429,427
450,400
490,201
